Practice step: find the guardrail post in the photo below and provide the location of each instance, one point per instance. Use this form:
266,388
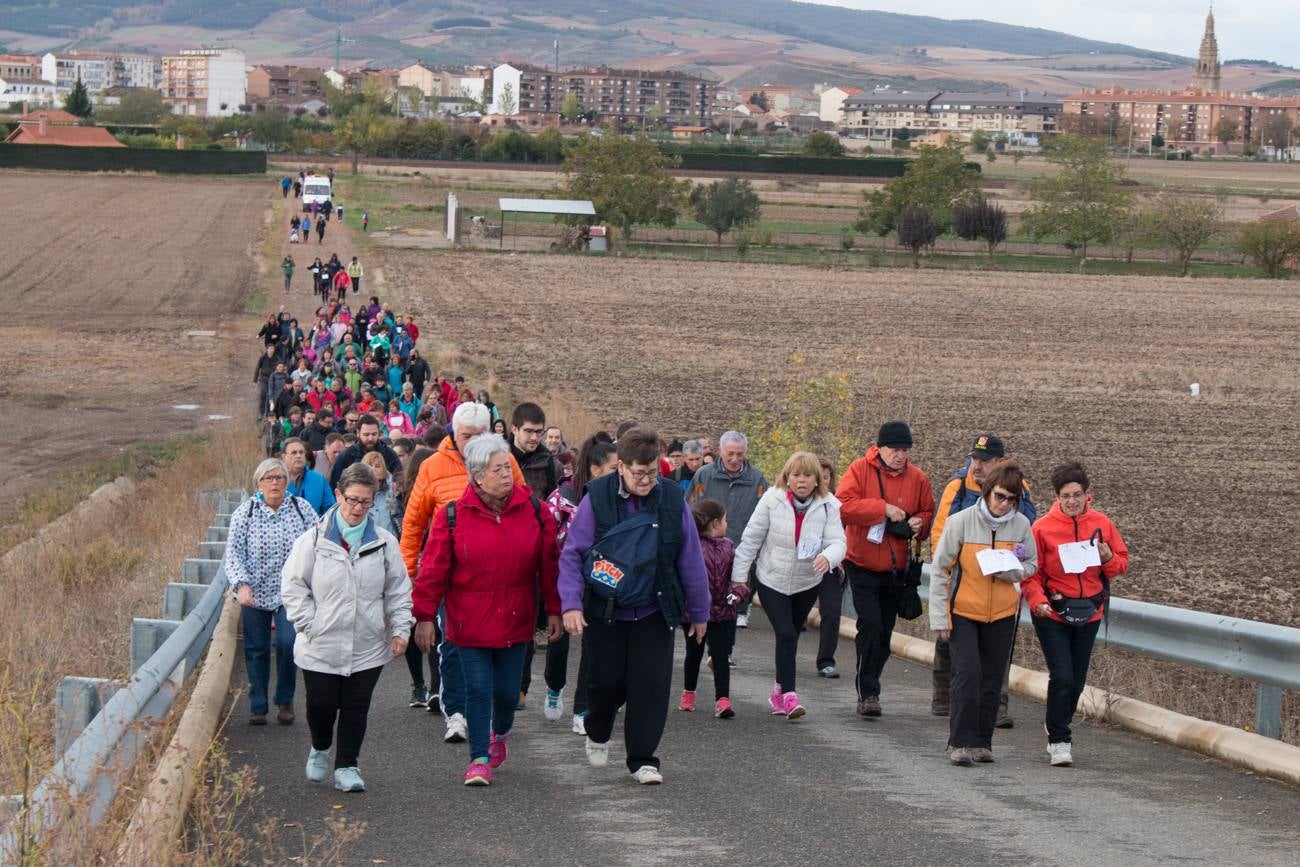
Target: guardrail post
217,534
147,636
197,570
1268,711
180,598
212,550
221,519
76,702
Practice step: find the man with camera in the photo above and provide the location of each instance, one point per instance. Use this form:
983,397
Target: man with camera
886,503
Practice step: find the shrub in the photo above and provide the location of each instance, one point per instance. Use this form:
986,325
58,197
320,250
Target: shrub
916,231
1273,247
980,221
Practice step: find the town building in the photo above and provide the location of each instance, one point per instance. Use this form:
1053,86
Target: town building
42,131
1207,61
98,70
603,92
31,91
20,67
352,79
284,85
446,83
205,82
784,97
831,103
1017,116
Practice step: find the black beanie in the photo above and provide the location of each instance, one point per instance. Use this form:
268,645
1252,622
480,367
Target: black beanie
895,434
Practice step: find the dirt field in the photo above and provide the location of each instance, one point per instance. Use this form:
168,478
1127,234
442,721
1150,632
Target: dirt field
105,275
1096,369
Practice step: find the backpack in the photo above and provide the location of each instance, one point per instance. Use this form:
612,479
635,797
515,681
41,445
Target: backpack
619,568
451,519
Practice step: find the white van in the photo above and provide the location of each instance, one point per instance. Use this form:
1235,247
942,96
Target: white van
315,188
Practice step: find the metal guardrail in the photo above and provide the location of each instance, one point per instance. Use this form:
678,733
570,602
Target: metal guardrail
91,767
1265,653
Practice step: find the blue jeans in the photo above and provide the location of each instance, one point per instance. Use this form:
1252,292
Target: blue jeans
452,695
491,692
257,656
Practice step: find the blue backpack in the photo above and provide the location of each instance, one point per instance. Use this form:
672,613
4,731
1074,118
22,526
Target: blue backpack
620,566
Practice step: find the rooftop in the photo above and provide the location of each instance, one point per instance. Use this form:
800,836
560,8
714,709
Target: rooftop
70,136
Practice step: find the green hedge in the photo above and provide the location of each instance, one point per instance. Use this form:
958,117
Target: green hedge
853,167
169,162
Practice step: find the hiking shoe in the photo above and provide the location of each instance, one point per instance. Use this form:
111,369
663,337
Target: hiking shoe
497,750
1060,753
688,701
597,754
828,671
722,708
419,697
776,700
554,707
731,661
457,729
1004,719
257,719
318,765
869,706
648,775
938,708
983,755
523,700
742,621
348,780
790,704
435,703
580,723
961,756
478,774
284,716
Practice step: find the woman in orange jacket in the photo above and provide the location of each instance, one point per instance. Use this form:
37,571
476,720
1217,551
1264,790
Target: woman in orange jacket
1080,551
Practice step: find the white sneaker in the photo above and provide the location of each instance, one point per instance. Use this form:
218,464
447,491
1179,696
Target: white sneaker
597,754
1060,754
457,729
348,780
742,621
554,706
579,724
648,776
318,765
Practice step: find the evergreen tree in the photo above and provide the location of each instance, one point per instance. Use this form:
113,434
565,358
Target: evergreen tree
78,100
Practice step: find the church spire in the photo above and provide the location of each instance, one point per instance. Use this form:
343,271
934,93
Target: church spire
1207,64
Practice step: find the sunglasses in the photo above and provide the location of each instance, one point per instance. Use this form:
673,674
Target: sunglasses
1005,498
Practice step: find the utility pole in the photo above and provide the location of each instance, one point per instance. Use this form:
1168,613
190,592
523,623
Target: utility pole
338,46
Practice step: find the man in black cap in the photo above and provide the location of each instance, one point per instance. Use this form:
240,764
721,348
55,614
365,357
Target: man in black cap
961,492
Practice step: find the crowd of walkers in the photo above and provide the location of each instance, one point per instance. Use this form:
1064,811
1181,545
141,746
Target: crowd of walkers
400,513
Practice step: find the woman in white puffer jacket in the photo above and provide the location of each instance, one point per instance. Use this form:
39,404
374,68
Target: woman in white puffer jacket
797,537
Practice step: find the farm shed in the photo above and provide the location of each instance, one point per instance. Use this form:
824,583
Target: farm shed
554,207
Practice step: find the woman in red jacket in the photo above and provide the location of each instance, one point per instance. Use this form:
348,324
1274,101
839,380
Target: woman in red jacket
487,557
1079,552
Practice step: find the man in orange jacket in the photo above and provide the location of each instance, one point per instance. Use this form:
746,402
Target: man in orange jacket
886,502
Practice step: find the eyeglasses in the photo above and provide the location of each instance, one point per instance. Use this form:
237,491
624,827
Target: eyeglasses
1005,498
1079,496
532,431
358,503
641,475
274,479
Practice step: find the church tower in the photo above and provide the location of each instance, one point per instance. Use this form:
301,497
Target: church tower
1207,65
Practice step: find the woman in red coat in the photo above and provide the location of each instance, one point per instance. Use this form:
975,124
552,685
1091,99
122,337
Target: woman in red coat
1079,552
488,556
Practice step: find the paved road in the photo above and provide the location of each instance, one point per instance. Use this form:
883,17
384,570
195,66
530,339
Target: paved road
832,788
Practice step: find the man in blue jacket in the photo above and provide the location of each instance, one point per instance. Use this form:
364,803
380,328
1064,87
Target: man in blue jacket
304,482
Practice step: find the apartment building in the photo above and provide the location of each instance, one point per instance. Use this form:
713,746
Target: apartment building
205,82
883,113
99,71
785,97
472,82
831,103
607,93
1189,119
284,85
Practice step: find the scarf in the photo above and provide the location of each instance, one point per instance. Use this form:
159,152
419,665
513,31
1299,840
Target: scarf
994,523
351,535
801,506
496,504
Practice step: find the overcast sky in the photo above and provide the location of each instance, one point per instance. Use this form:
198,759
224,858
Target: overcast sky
1245,29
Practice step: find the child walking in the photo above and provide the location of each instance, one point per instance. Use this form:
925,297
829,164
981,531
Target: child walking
711,520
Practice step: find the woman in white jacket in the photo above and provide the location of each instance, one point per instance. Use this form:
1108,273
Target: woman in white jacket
797,537
346,590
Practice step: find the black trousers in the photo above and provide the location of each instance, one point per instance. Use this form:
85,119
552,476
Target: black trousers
415,661
830,604
787,615
632,664
717,641
556,672
1068,650
526,679
980,652
877,605
332,697
941,676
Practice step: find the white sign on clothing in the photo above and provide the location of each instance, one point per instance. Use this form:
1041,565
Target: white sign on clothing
810,545
876,533
993,560
1077,557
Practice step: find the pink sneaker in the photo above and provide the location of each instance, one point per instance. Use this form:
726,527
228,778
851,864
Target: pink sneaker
478,774
790,705
723,709
776,701
497,749
688,701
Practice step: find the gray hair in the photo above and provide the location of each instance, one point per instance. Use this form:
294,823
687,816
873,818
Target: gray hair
471,415
266,466
358,474
692,447
478,452
733,436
